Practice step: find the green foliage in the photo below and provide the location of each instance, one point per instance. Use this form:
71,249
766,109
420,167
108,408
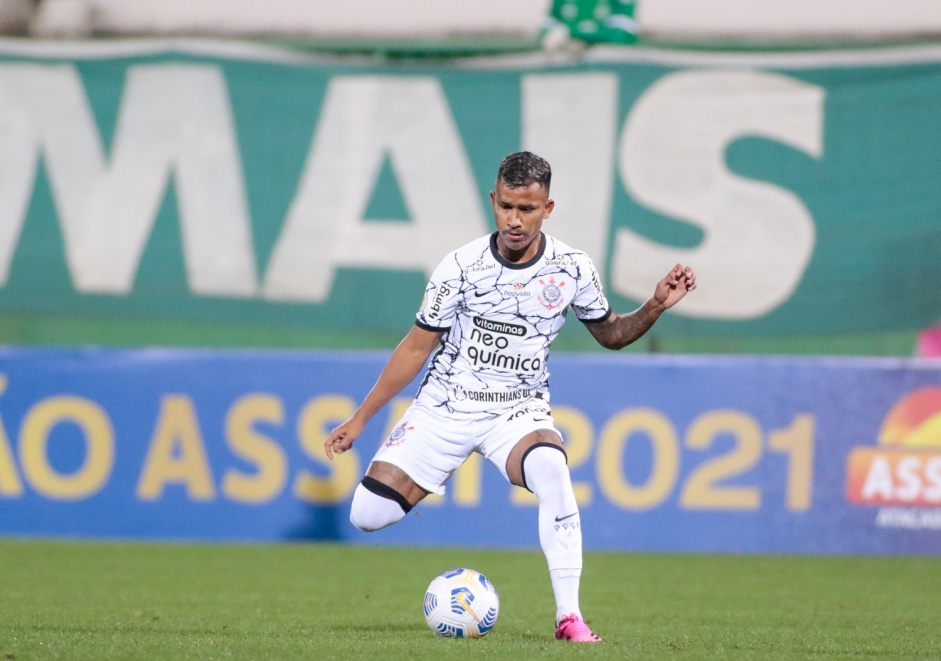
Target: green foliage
598,21
97,600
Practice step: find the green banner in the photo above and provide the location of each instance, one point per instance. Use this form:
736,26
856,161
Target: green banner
167,184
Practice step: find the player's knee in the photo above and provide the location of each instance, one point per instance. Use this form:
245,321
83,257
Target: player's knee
376,506
544,463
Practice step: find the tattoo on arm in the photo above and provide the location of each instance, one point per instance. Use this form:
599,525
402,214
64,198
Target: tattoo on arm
619,330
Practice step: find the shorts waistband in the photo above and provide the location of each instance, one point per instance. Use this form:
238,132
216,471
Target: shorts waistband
495,396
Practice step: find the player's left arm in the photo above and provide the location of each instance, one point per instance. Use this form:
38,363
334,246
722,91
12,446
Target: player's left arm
619,330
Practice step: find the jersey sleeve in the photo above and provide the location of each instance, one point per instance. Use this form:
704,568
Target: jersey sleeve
442,296
590,304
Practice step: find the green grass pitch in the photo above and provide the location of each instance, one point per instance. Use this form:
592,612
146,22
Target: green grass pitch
105,600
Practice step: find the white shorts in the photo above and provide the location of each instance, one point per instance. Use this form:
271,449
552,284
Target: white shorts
429,445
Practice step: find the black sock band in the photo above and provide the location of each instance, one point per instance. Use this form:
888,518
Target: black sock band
385,491
530,449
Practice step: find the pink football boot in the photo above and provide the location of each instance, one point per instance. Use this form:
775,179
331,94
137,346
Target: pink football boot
573,628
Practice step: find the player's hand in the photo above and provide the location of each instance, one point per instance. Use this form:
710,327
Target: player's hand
678,282
341,439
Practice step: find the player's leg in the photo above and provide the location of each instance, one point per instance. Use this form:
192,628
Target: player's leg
416,459
525,446
384,497
538,462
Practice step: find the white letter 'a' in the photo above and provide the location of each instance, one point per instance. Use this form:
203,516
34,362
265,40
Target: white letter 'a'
758,238
173,119
364,119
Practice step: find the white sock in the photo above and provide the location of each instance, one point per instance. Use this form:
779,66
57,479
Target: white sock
371,511
560,528
565,584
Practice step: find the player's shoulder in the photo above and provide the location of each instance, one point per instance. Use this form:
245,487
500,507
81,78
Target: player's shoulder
472,250
477,247
560,252
466,256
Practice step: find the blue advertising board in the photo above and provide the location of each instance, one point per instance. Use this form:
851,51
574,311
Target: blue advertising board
667,453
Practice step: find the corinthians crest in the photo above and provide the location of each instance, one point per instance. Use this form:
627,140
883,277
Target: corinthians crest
551,295
397,437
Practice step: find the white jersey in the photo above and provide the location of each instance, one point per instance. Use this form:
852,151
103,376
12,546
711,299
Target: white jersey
499,319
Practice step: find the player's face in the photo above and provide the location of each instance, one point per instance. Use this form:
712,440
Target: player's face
518,213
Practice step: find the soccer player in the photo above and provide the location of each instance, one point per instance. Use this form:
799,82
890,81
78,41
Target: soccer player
490,312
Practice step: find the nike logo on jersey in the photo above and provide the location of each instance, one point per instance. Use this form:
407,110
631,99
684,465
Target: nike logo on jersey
481,293
563,518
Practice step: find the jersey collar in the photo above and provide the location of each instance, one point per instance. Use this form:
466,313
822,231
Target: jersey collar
512,265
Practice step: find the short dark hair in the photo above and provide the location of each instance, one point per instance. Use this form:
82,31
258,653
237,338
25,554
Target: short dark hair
523,169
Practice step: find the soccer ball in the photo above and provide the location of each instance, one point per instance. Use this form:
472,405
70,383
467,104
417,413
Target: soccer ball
461,603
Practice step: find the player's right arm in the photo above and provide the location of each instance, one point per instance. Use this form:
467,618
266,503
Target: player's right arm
404,365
